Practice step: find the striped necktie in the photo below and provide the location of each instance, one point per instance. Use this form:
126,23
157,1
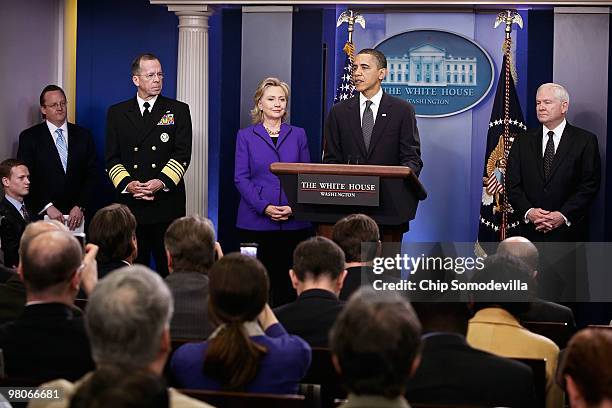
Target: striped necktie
62,150
367,124
549,154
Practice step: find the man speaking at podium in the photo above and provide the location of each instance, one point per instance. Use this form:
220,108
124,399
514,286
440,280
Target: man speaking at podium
373,127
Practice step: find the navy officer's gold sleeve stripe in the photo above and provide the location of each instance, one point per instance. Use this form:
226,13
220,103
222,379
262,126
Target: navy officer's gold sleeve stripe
117,173
174,170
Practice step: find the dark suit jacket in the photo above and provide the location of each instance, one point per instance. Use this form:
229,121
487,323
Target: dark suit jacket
159,148
12,225
12,299
104,268
395,138
311,316
190,293
544,311
452,372
49,183
47,342
571,187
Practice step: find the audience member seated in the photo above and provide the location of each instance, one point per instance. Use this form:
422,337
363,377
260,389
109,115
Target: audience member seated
13,292
540,309
375,346
250,350
13,214
495,326
128,323
110,386
190,249
49,340
443,377
317,276
349,233
113,230
585,370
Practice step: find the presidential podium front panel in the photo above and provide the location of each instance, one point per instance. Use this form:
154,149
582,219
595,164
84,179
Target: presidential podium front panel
325,193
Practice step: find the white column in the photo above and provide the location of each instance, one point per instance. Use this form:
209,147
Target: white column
192,88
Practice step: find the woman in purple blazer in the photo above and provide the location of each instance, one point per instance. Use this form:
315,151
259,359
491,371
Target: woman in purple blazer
264,215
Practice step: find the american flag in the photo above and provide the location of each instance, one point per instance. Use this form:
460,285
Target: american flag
346,86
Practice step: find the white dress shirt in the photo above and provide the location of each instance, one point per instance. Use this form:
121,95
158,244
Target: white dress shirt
375,104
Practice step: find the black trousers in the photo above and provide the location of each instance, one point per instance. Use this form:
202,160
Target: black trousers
150,239
275,251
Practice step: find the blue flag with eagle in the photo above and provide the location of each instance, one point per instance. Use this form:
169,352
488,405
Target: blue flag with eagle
497,221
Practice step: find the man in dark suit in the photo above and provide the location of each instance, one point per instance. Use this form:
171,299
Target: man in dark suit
49,341
540,309
554,173
191,249
13,213
442,376
317,276
61,158
148,148
373,127
553,176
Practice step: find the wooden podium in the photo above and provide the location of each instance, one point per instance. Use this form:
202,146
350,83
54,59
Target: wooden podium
399,192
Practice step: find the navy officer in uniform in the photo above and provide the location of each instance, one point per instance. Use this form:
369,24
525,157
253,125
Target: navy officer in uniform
148,147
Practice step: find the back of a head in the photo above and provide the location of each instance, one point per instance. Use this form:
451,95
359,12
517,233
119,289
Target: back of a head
238,292
191,243
111,386
49,261
38,227
353,230
521,248
318,256
113,229
587,361
508,270
376,339
443,316
126,316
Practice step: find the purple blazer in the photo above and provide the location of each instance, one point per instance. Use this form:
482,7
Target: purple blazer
258,187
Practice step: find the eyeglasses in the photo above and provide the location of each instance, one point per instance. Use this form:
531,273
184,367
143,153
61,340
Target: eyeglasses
57,105
149,77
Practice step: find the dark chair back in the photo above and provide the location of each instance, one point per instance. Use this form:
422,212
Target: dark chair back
228,399
323,373
558,332
538,368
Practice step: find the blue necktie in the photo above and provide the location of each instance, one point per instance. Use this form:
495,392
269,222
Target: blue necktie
60,143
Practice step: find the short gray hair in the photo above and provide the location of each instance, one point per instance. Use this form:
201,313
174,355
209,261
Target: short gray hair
558,90
126,315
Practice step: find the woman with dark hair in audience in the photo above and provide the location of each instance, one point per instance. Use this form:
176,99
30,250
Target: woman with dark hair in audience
264,215
249,351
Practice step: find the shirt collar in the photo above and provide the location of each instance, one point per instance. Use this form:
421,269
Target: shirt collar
142,101
375,99
53,128
558,130
13,201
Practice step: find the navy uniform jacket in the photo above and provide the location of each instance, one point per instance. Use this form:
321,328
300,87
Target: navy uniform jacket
49,183
159,148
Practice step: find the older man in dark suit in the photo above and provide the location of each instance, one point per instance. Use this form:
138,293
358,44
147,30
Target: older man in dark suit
148,148
61,158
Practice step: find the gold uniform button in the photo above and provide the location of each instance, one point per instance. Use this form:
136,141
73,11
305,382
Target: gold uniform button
135,149
135,166
153,165
153,148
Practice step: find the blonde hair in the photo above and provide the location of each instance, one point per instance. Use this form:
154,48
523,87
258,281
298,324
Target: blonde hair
256,113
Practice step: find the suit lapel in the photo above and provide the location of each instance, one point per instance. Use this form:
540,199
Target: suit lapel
134,115
52,149
261,132
536,148
72,143
355,122
16,214
380,124
285,129
565,145
159,110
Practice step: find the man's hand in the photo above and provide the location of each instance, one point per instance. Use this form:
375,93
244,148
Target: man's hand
140,191
75,218
550,221
55,214
89,271
536,216
154,185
